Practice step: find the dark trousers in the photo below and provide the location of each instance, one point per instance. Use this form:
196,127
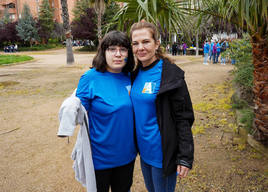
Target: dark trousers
214,57
217,56
119,178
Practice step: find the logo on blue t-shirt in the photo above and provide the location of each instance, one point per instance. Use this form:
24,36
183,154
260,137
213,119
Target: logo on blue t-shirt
149,87
128,87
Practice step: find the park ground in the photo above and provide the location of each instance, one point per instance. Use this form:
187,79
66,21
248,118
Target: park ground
34,159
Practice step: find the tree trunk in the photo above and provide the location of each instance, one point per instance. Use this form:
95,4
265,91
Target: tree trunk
99,9
197,44
260,61
99,26
67,29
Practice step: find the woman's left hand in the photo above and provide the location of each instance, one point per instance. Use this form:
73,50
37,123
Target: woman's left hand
182,171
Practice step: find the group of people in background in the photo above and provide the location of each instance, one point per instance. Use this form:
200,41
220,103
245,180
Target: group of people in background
177,49
11,48
212,51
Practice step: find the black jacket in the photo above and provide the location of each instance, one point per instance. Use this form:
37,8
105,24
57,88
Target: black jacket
175,117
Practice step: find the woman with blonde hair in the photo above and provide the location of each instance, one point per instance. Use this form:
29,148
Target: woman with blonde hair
163,112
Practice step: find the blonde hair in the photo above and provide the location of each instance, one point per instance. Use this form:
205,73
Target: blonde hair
155,35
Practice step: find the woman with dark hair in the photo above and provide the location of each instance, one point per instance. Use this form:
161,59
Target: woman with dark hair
104,92
163,112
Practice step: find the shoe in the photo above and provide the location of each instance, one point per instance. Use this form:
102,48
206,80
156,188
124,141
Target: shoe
205,63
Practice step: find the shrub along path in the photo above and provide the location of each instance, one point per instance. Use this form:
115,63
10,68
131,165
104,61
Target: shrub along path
33,158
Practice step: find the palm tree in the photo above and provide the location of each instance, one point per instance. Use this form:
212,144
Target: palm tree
169,14
81,7
252,16
99,6
195,28
66,26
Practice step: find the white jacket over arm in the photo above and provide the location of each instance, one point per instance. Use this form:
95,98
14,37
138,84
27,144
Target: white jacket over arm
71,114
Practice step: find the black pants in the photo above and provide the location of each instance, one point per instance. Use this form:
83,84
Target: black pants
119,178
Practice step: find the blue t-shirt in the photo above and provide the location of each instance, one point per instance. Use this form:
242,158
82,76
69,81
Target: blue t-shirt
206,48
218,47
106,99
143,94
211,46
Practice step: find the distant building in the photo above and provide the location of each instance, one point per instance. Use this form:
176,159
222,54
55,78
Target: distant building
15,7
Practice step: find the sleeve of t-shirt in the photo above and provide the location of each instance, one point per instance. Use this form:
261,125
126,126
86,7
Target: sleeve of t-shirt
84,89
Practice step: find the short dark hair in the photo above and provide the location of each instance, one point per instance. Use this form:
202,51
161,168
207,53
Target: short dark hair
113,38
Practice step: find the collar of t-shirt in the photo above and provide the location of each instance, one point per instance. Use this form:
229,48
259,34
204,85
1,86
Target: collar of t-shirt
150,66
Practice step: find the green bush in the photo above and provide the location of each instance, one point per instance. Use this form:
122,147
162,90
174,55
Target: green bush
40,47
238,103
87,49
241,51
53,41
247,118
243,75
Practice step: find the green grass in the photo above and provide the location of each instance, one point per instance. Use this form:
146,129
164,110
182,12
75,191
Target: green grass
7,59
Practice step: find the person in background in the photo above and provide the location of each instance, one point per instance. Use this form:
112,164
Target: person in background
211,51
104,92
163,112
179,49
206,52
218,51
167,48
174,49
223,49
214,52
15,48
184,46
